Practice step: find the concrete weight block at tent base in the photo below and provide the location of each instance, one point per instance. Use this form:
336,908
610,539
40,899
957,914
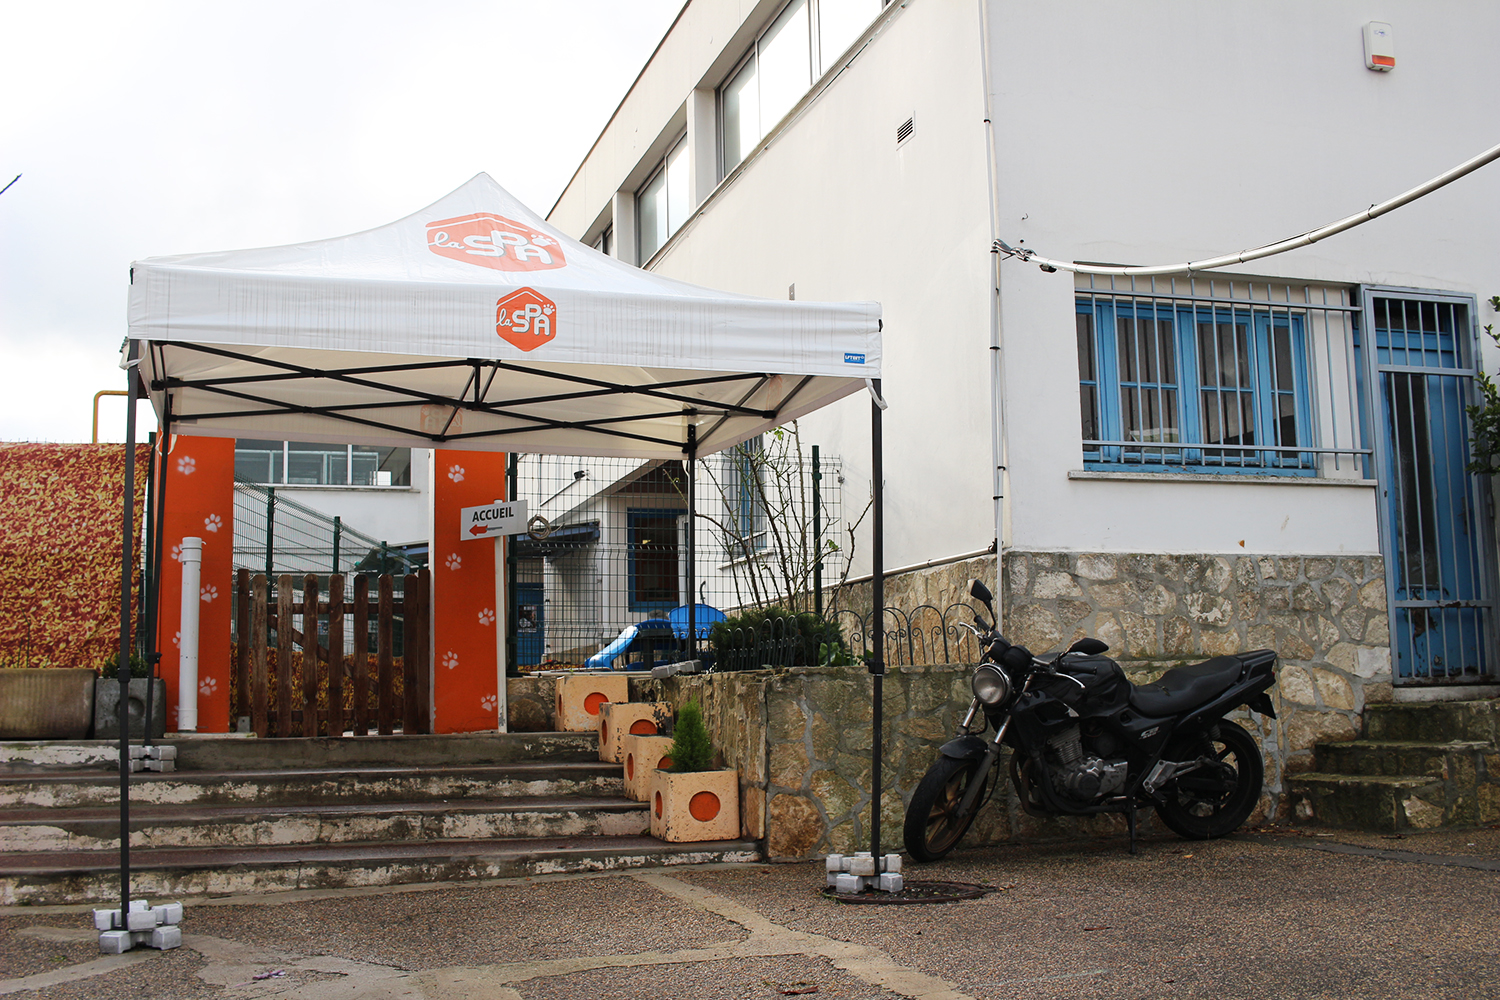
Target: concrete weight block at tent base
627,718
642,755
115,942
46,704
580,696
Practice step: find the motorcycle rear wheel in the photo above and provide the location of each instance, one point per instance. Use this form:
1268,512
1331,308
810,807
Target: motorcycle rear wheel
1202,805
933,825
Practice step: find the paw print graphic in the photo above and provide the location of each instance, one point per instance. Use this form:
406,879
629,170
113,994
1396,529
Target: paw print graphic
209,593
187,465
543,241
177,639
489,703
456,473
177,553
454,561
207,686
487,616
450,659
213,522
173,714
549,309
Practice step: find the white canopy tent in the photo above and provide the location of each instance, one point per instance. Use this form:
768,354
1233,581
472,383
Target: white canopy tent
474,324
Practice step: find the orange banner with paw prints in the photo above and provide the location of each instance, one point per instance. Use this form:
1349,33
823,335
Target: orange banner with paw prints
468,614
199,503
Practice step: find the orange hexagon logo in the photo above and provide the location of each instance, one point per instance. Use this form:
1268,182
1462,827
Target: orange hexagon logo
491,240
526,318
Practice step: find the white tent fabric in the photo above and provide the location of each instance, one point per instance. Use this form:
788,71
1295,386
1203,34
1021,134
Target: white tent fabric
474,324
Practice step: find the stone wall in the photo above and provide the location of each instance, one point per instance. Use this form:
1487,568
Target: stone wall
801,737
1325,616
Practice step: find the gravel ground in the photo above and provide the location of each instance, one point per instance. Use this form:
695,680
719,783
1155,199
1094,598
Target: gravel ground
1269,914
741,979
475,926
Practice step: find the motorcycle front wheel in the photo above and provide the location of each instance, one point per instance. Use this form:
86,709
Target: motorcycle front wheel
933,823
1214,801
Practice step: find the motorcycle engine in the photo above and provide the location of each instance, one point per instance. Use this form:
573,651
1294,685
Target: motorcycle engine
1083,778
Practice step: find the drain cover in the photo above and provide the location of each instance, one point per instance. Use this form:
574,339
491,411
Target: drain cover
914,892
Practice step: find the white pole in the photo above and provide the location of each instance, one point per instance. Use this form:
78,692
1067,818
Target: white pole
187,674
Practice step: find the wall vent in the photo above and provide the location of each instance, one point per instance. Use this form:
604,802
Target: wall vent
903,131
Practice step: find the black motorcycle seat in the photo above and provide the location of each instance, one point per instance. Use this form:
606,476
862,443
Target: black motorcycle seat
1186,688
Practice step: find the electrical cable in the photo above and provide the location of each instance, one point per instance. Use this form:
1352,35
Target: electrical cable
1270,249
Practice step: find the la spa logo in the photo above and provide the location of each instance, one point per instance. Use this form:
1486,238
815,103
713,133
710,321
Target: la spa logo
491,240
526,318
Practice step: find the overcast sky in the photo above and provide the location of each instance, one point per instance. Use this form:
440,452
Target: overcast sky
173,127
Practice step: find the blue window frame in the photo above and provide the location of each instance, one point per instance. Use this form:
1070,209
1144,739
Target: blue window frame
1193,388
652,548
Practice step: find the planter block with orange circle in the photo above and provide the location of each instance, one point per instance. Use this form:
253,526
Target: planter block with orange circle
688,806
627,718
641,756
579,697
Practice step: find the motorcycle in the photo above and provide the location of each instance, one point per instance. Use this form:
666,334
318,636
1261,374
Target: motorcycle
1084,740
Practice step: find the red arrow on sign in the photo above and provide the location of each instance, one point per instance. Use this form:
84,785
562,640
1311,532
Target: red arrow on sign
479,529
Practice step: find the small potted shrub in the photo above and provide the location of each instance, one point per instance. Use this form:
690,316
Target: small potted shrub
691,800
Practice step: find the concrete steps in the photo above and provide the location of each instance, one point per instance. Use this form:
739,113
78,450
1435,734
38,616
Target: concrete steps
264,815
1419,766
94,876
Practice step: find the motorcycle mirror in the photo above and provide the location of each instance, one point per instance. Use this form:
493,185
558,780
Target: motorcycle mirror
1089,647
980,592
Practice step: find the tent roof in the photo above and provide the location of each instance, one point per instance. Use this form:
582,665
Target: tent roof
474,324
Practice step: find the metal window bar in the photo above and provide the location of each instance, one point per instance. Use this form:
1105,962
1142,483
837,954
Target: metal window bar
1321,434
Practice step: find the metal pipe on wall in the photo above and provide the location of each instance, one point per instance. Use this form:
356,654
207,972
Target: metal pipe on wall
187,683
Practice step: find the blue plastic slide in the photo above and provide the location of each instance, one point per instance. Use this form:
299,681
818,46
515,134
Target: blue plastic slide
606,656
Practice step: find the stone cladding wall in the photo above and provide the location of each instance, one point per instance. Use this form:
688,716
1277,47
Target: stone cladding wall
1325,616
801,737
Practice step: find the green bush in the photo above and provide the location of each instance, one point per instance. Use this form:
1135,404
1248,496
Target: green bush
137,666
816,641
692,750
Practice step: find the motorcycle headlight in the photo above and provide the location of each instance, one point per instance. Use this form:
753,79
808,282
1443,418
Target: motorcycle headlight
990,685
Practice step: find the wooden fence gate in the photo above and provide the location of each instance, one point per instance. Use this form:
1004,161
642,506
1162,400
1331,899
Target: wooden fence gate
309,681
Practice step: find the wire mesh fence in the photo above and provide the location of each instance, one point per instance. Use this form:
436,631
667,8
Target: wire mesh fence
274,534
772,526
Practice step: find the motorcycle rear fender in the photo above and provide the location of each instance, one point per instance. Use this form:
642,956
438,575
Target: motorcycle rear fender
1251,689
965,748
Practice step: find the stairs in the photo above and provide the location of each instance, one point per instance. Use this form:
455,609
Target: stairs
1420,765
245,815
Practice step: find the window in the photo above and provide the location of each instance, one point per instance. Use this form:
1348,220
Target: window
800,44
1199,384
293,463
605,244
747,497
652,538
662,204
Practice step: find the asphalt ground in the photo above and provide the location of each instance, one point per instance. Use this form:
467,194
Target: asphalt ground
1266,914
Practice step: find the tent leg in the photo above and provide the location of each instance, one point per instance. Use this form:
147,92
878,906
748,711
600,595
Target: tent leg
692,535
127,560
149,628
877,584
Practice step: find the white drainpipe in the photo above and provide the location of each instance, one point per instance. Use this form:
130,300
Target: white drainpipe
187,692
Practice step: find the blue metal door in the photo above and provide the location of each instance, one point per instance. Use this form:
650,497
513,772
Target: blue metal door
531,624
1436,541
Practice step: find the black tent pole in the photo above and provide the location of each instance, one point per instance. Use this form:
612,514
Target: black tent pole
692,533
127,553
146,622
151,633
877,585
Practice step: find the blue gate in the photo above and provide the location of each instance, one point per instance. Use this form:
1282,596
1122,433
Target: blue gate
1434,513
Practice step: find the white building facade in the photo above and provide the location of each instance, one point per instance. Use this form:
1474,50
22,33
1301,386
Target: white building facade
1189,464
